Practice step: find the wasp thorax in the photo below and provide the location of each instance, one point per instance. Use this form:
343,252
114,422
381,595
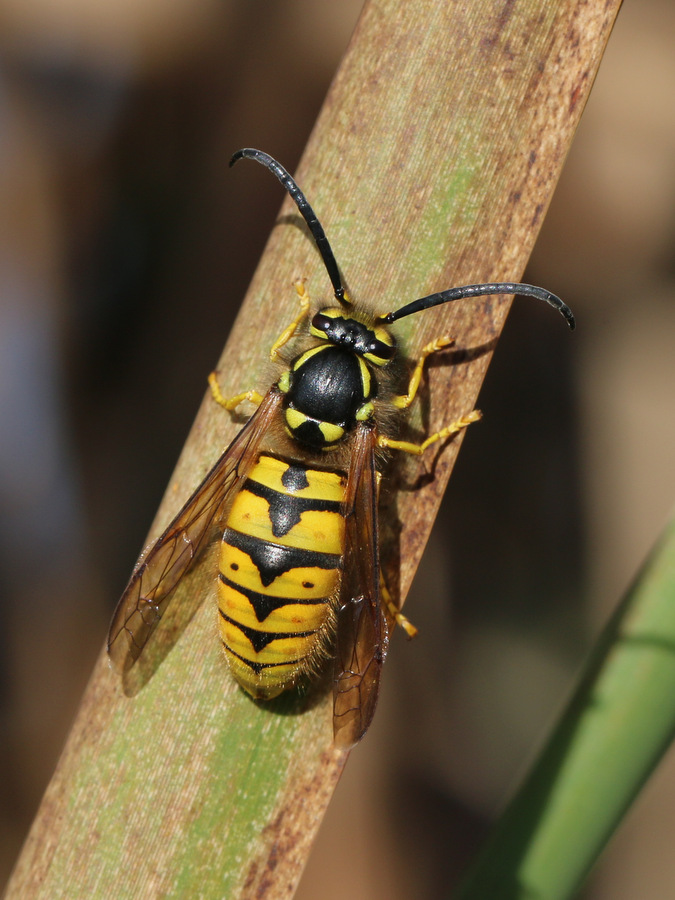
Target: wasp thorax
327,391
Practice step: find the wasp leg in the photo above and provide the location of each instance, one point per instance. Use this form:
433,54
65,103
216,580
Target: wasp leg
404,400
395,612
231,403
385,593
418,449
253,396
288,332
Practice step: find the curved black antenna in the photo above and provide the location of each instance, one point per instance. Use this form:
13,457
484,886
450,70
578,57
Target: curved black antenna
306,212
481,290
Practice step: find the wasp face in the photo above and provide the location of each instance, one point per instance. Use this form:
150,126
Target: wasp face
372,343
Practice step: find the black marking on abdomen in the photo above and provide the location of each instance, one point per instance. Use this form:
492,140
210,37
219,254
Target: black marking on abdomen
295,478
263,604
272,560
258,667
285,509
260,639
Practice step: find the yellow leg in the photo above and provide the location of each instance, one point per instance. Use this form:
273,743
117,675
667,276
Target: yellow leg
404,400
418,449
288,332
252,396
395,612
232,402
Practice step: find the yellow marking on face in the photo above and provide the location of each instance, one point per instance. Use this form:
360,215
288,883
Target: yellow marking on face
382,335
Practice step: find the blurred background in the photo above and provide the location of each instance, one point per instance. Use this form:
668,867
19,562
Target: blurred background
125,249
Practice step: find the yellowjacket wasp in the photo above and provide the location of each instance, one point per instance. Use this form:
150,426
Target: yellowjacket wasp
299,577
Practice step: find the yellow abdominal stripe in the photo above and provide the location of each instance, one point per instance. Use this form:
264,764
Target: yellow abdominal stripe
292,617
282,650
312,582
315,529
322,484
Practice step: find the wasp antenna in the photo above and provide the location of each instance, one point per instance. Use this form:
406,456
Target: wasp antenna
306,212
482,290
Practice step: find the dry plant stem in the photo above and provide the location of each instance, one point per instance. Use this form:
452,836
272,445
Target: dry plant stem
432,164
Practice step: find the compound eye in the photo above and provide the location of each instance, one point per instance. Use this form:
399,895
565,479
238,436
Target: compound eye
322,323
382,351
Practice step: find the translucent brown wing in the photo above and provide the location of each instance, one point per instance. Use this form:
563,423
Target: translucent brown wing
362,634
147,595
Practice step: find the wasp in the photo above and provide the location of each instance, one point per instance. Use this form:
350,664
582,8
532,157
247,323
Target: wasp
296,506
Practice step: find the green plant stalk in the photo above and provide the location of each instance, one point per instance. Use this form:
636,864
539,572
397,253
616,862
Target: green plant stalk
615,730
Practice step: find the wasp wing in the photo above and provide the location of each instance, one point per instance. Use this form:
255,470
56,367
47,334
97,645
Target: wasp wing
362,633
147,595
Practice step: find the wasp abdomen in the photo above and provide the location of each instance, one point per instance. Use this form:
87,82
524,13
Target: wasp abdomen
279,572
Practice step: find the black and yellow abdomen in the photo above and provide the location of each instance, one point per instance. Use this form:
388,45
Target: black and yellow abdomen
280,568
